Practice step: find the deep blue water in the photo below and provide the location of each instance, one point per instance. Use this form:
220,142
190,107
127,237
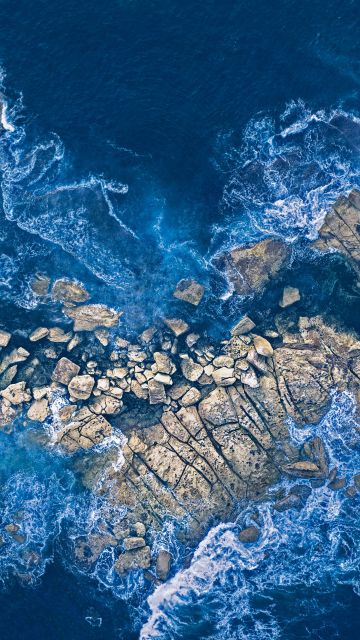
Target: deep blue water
148,136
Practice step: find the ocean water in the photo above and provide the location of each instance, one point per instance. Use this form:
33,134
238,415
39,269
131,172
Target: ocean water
141,140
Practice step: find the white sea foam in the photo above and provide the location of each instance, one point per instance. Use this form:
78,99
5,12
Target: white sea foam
283,177
231,589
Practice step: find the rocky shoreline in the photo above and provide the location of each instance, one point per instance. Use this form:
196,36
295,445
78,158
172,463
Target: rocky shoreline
203,423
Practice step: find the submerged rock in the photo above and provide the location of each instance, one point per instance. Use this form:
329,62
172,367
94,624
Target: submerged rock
250,534
69,291
290,295
40,284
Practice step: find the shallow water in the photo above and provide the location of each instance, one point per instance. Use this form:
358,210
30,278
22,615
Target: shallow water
141,139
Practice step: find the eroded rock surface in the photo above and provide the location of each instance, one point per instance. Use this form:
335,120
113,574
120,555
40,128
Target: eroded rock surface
249,269
341,229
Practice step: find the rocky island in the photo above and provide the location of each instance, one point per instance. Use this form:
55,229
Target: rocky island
175,424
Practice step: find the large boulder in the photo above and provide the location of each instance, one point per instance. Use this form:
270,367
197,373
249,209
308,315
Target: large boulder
69,291
91,316
250,268
341,229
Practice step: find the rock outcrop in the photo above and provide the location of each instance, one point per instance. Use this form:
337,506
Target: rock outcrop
249,269
341,229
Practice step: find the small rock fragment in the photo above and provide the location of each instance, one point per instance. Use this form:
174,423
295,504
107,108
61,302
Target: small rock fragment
4,338
156,392
40,284
58,335
38,334
263,346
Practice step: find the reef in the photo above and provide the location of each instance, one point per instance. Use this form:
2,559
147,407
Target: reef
200,426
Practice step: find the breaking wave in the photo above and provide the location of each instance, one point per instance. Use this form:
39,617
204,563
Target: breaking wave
238,591
283,173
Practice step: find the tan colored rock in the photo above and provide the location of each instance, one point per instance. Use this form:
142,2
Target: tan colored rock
163,378
56,334
138,390
8,413
106,405
64,371
16,393
340,229
39,410
90,317
4,338
223,361
38,334
163,362
189,291
163,565
245,325
131,560
249,379
66,413
40,284
80,387
250,268
74,342
157,393
147,335
69,291
40,392
103,336
263,346
133,543
290,295
192,396
177,326
303,469
15,356
191,370
224,376
103,384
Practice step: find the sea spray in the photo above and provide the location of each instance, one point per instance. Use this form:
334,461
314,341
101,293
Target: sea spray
233,590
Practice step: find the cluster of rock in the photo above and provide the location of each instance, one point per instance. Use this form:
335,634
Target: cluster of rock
205,422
